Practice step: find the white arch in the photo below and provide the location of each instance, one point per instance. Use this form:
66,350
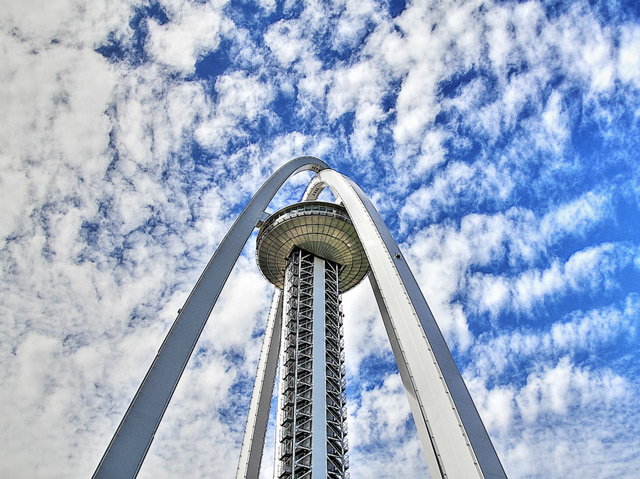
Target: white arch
452,434
131,441
258,417
453,437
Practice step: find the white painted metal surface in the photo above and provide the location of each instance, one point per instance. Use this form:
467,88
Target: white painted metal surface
258,418
319,407
133,437
453,437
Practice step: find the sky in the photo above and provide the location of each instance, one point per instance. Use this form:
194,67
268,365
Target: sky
499,141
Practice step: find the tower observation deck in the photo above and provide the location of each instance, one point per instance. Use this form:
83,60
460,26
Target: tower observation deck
311,252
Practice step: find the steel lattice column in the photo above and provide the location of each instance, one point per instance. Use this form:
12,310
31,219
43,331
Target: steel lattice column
311,427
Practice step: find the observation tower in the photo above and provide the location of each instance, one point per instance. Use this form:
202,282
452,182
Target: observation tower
312,253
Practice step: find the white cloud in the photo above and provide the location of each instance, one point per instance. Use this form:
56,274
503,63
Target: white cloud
470,116
49,98
451,253
496,406
78,23
241,97
555,390
382,440
287,42
352,22
458,180
192,31
554,121
359,88
588,48
245,299
416,106
364,334
578,215
572,336
559,406
587,269
628,60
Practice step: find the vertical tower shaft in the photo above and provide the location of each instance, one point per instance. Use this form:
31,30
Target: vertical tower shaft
311,419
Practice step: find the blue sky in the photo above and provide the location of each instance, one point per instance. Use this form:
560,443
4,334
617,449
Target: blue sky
499,140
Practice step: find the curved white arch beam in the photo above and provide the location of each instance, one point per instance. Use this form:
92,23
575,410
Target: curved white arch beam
452,434
131,441
258,417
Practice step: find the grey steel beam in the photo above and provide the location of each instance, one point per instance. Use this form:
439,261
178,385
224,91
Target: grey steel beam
258,418
131,441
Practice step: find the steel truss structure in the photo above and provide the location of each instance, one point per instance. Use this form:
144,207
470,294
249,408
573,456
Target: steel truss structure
309,392
336,395
453,437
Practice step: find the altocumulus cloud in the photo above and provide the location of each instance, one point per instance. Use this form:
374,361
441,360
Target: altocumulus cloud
498,140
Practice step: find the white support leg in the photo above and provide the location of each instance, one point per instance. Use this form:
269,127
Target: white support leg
256,428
